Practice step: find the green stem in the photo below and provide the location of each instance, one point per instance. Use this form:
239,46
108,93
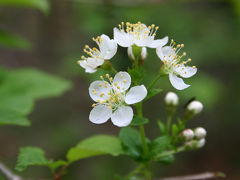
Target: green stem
135,171
154,81
169,121
167,153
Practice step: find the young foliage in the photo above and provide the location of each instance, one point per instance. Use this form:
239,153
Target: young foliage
20,88
30,156
153,92
139,121
94,146
131,142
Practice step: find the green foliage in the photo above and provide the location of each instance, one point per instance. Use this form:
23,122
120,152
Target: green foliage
131,142
13,41
139,121
20,88
159,145
153,92
136,74
96,145
42,5
162,127
29,156
166,159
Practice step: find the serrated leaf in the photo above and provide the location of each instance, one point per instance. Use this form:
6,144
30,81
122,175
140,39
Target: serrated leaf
29,156
13,41
42,5
9,117
159,145
131,142
96,145
153,92
139,121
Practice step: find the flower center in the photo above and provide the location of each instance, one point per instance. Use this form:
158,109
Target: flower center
138,31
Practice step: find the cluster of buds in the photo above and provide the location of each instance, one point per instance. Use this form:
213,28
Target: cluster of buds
194,138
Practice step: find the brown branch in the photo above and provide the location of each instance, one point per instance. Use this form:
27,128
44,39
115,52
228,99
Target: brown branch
201,176
8,173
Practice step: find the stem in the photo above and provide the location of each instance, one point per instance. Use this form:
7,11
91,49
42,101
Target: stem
135,171
167,153
169,121
154,81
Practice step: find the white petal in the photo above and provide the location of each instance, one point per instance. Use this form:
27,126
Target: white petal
100,114
99,90
186,71
121,38
159,42
108,47
177,82
136,94
144,53
121,81
165,53
87,68
130,52
122,116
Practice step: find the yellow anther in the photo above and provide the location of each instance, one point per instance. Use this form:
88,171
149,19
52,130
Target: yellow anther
100,85
182,45
189,59
95,93
156,28
118,87
78,62
116,83
178,46
93,105
124,81
102,94
184,54
98,100
82,57
153,25
86,46
107,75
110,107
194,67
101,77
110,78
105,82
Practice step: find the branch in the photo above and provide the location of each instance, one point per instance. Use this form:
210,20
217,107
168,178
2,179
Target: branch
201,176
8,173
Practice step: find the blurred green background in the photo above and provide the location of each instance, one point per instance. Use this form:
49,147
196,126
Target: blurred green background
50,36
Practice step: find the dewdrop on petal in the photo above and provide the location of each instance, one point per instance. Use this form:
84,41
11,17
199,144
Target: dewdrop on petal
188,134
171,99
195,107
200,133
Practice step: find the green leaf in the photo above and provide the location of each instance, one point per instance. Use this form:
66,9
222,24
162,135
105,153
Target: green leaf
29,156
166,160
42,5
153,92
139,121
13,41
162,127
96,145
56,164
159,145
33,83
131,142
175,129
9,117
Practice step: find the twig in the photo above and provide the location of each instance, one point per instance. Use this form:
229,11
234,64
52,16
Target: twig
8,173
201,176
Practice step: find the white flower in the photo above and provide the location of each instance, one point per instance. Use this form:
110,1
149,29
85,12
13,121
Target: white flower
200,133
173,66
143,53
171,99
107,49
113,99
195,107
137,34
188,134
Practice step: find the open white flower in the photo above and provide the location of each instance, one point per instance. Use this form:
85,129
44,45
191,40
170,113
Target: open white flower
137,34
174,66
112,99
107,49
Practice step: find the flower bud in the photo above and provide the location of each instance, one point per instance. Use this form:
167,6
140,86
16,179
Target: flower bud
171,99
195,107
188,134
143,54
200,133
201,143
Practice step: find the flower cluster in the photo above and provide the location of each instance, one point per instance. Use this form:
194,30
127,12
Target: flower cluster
111,96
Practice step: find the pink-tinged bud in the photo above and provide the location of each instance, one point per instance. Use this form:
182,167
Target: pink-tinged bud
200,133
195,107
188,134
171,99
